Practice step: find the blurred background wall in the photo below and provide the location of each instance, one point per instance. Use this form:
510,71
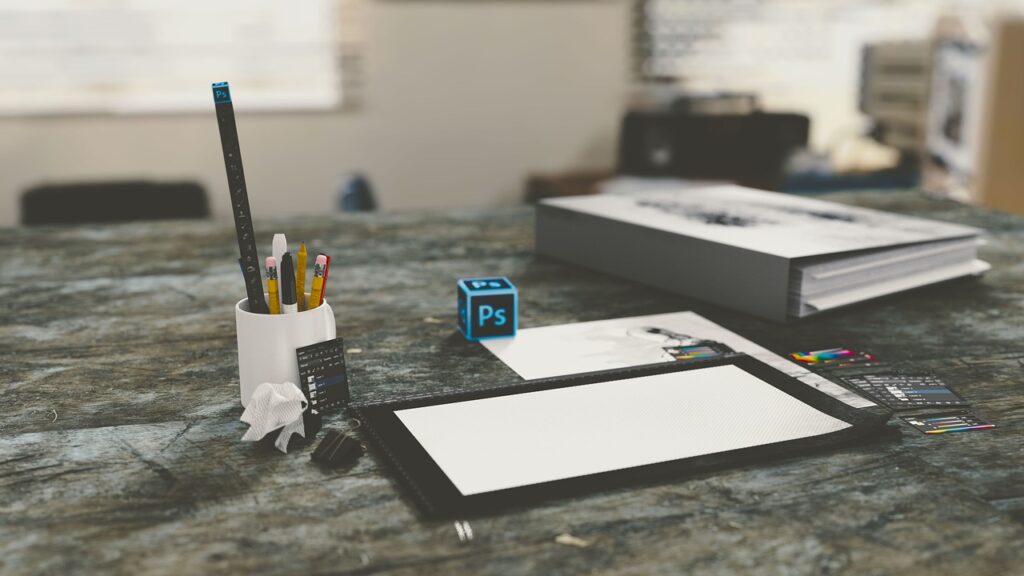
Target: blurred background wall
460,99
448,103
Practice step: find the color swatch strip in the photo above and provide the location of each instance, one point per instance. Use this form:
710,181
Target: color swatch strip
948,423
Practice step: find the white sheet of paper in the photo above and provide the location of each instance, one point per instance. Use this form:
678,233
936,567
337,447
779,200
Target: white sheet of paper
523,439
621,342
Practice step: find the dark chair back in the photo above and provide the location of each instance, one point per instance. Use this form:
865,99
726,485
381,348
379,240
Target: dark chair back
104,202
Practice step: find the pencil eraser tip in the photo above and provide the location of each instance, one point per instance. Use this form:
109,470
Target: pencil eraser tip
321,260
271,262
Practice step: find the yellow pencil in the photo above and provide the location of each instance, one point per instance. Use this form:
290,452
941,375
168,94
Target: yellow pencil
275,304
300,277
318,281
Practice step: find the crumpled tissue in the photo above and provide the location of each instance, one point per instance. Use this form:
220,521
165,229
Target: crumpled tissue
274,406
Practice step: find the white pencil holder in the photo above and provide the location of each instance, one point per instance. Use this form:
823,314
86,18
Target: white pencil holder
267,343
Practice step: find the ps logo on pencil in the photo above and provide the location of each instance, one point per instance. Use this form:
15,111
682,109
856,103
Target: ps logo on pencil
221,93
488,308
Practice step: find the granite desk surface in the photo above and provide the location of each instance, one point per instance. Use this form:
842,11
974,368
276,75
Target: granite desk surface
119,431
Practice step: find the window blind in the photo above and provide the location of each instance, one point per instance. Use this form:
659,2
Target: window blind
160,56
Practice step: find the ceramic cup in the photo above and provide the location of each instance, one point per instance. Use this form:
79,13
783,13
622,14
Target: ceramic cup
267,343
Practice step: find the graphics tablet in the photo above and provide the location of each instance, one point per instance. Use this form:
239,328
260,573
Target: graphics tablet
471,453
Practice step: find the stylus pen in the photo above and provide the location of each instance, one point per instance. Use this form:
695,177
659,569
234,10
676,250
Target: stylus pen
278,248
287,285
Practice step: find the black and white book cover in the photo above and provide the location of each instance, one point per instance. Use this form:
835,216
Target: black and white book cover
726,234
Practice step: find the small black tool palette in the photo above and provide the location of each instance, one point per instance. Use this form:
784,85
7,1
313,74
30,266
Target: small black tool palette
322,375
904,391
941,423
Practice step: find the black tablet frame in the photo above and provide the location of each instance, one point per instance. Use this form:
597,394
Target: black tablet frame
438,496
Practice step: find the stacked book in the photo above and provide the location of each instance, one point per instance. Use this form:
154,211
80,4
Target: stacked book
769,254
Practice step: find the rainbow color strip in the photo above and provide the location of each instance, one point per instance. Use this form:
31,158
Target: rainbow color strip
978,427
822,355
953,424
950,423
693,352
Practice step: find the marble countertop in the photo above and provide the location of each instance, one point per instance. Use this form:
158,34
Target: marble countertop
119,407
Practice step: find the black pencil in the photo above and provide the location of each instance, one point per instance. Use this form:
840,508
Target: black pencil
250,260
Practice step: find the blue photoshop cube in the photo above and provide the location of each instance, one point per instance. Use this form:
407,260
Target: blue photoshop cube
488,308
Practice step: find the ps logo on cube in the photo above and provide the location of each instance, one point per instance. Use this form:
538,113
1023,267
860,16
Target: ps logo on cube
488,308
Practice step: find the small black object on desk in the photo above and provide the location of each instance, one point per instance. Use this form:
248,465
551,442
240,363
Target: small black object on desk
337,449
